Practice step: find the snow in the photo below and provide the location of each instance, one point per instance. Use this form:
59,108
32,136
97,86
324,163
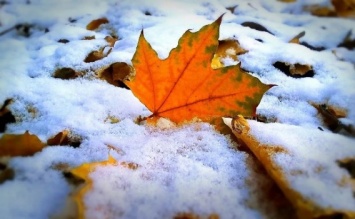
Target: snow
314,156
189,168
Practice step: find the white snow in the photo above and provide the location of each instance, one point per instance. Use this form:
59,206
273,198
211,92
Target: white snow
191,168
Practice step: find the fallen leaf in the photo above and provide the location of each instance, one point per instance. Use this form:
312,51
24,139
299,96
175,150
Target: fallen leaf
296,39
83,172
59,139
20,145
63,41
330,116
111,40
116,73
304,196
227,49
94,24
66,73
185,86
348,42
295,70
64,138
344,8
189,215
6,174
89,38
6,115
98,54
255,26
320,11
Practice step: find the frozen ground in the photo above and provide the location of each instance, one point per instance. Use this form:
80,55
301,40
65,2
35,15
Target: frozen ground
191,168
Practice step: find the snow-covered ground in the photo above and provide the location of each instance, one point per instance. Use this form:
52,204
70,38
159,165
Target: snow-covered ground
189,168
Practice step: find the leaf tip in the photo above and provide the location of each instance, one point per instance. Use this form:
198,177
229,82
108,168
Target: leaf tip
219,19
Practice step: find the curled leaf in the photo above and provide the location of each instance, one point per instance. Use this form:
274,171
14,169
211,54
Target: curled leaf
98,54
116,73
94,24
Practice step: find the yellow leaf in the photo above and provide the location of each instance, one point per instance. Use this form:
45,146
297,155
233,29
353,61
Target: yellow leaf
83,171
306,207
20,145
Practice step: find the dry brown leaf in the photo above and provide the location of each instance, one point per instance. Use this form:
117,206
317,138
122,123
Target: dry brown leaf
20,145
227,49
295,70
6,173
189,215
341,8
348,42
59,139
266,153
89,38
330,116
296,39
344,8
66,73
255,26
6,115
64,138
94,24
111,40
98,54
321,11
116,73
63,41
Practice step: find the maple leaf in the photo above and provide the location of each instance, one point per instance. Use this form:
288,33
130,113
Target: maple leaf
185,86
20,145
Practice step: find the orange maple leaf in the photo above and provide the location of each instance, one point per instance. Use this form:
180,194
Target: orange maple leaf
185,86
